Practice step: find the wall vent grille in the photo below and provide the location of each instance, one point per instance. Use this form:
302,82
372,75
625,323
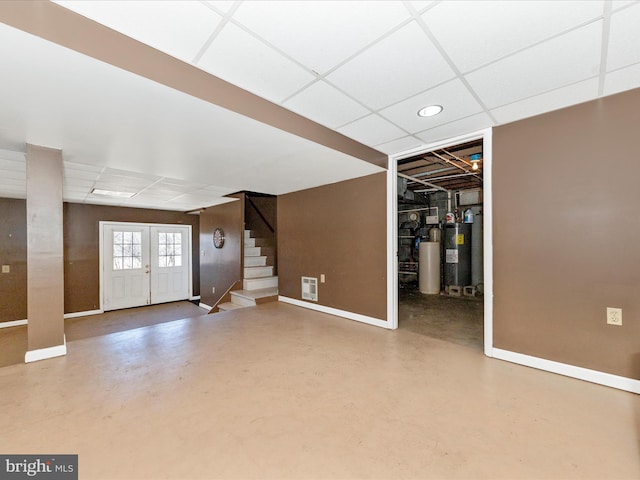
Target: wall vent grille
310,288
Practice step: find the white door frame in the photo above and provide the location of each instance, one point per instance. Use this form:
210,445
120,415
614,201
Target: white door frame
101,247
487,211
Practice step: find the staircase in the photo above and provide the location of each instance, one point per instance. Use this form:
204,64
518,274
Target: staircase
259,285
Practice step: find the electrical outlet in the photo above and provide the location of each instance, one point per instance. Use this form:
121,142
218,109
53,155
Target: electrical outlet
213,289
322,278
614,316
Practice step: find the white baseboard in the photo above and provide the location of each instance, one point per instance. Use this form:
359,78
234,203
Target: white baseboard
14,323
334,311
17,323
44,353
205,306
593,376
194,298
83,314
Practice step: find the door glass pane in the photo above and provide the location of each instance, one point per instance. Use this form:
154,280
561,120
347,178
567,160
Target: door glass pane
127,250
169,249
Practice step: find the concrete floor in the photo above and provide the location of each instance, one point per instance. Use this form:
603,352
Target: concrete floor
278,391
453,319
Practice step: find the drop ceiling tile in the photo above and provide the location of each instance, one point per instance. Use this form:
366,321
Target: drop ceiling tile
79,183
101,200
195,200
453,96
12,175
456,128
215,189
321,34
129,174
372,130
120,184
73,166
245,61
474,33
564,60
399,66
9,191
71,175
618,4
623,79
10,155
76,190
13,182
624,38
421,5
12,165
73,198
545,102
179,28
222,6
399,145
152,197
325,104
178,185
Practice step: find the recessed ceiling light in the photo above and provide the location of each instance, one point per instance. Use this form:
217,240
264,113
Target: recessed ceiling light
430,111
112,193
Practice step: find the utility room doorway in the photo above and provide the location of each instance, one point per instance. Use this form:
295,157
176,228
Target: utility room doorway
440,244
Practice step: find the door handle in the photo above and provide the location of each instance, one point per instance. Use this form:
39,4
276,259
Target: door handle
146,269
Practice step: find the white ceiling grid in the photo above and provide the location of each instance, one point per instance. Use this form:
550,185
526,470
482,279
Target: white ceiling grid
364,68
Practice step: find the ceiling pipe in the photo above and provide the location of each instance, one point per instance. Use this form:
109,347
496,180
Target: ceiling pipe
422,182
457,175
455,164
458,158
433,172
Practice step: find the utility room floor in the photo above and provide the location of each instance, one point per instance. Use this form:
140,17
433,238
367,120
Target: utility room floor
458,320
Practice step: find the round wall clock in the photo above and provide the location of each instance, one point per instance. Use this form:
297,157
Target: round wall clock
218,238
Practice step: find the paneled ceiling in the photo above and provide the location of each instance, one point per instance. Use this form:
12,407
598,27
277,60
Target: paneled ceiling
361,68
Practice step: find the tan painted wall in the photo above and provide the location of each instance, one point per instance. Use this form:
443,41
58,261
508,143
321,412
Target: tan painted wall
82,250
13,252
338,230
45,273
221,268
566,235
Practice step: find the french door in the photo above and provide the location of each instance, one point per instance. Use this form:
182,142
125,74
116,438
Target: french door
144,264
